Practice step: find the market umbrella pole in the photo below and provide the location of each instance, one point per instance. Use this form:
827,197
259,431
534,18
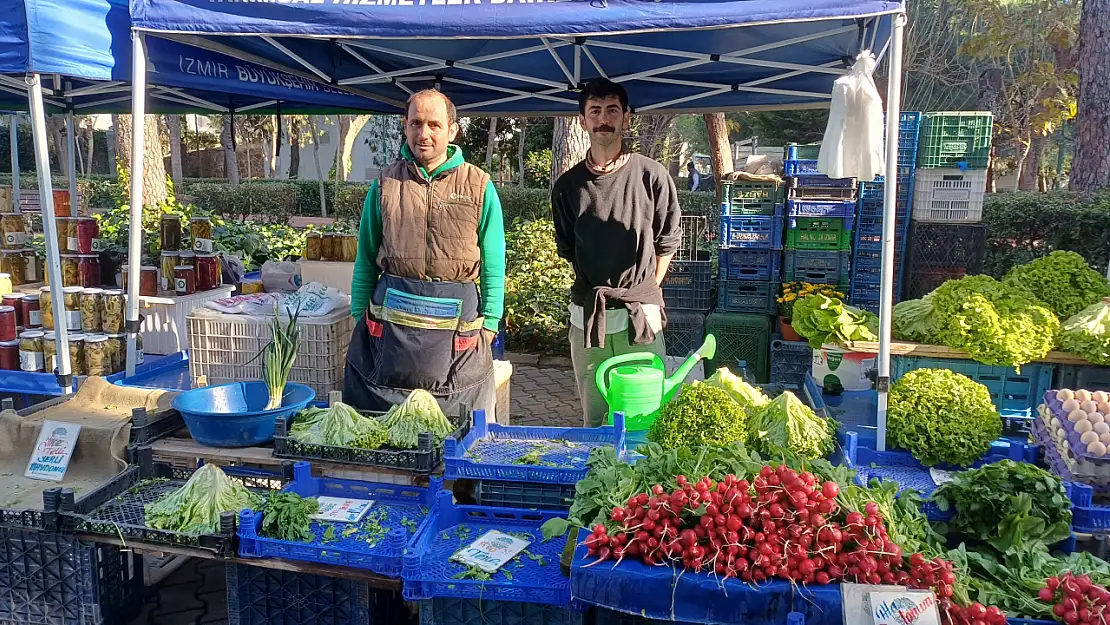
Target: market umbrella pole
71,164
135,229
13,139
890,216
50,232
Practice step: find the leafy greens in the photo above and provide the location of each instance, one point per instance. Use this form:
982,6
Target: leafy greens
788,425
1062,280
1087,334
339,425
822,320
195,508
942,417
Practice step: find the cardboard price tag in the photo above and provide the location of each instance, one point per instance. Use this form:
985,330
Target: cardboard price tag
53,451
491,551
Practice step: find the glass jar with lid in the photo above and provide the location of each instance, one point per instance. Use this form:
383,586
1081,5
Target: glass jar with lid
208,272
46,308
30,350
115,346
77,354
97,355
88,266
201,229
72,297
32,315
14,230
71,270
187,258
50,351
9,355
8,323
91,309
113,303
313,243
169,261
87,233
14,263
170,233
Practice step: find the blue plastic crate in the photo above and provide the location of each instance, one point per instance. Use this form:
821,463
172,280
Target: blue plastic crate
876,189
869,235
500,494
816,266
429,572
758,231
603,616
821,208
1090,377
491,451
821,180
448,611
1014,394
1087,516
399,510
50,578
796,167
791,361
749,264
263,596
747,296
867,268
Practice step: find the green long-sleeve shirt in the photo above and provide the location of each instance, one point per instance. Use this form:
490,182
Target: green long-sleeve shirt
491,243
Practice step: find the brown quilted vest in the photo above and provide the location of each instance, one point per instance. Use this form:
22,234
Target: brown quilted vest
430,228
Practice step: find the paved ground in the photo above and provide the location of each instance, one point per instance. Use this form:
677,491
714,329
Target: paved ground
544,396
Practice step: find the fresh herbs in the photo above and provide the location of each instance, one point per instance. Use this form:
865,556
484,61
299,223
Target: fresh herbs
286,516
1009,505
942,417
279,355
701,415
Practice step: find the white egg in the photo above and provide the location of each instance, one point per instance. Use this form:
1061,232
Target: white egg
1095,417
1097,448
1076,415
1083,425
1088,406
1104,407
1055,423
1070,404
1101,428
1100,396
1064,394
1105,438
1089,437
1083,394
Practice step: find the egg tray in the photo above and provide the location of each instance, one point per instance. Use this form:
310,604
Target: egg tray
1078,447
1058,461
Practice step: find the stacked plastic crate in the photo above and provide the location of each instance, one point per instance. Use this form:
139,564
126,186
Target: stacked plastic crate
820,218
867,247
946,238
688,287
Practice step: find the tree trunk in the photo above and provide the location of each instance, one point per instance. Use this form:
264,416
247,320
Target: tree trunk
347,139
112,151
275,140
491,142
991,97
231,159
55,125
520,149
154,169
1030,167
314,123
569,143
720,151
92,146
1091,168
294,148
173,124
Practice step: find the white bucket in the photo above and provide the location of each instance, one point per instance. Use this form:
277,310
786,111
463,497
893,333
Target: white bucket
832,364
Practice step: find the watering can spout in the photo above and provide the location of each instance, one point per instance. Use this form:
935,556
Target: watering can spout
707,350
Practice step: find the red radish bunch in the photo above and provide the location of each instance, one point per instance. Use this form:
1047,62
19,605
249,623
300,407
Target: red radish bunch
1077,601
974,614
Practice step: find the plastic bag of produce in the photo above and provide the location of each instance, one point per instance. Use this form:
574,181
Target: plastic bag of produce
1087,333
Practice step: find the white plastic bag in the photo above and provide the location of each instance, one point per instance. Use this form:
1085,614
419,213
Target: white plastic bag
853,144
281,277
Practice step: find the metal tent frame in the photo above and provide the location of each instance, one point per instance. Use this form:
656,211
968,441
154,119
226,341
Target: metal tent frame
689,56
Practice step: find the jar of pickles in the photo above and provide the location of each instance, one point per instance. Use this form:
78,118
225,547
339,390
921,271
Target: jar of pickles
72,298
9,355
77,355
30,311
30,350
113,303
208,272
72,236
187,258
169,261
98,358
350,248
71,270
31,265
148,281
332,249
62,225
115,346
170,231
14,263
185,279
88,266
91,307
46,308
87,232
312,244
201,229
50,351
14,229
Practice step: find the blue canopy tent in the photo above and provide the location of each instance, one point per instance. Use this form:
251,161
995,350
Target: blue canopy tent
501,57
82,50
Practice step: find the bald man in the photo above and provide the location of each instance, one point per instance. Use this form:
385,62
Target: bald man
429,281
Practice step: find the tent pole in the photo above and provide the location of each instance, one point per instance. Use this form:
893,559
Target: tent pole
71,164
50,232
135,237
13,138
890,212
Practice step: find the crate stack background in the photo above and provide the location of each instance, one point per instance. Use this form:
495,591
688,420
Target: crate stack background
946,238
867,245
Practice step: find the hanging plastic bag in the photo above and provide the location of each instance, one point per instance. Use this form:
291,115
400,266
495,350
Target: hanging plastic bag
853,144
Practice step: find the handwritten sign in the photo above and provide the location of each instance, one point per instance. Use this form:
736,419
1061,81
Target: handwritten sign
342,509
911,607
52,453
856,601
490,552
940,477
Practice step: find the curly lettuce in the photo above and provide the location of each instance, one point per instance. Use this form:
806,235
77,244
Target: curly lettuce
821,319
1087,333
1062,280
940,416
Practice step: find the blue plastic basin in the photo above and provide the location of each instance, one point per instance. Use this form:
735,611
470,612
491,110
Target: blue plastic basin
234,415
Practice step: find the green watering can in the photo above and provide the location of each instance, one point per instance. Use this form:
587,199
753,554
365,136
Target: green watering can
637,384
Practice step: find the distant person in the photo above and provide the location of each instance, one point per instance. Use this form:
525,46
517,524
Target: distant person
695,177
617,221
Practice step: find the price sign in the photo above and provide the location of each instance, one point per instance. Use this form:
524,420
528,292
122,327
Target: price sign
342,509
909,607
53,451
490,552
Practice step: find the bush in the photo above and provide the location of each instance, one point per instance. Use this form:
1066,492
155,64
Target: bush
538,168
537,289
1022,226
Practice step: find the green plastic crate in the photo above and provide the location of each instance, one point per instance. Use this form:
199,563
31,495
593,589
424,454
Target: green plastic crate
819,233
753,198
950,138
741,336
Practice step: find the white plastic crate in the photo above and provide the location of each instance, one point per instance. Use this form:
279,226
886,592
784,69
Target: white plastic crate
333,274
163,326
949,195
224,348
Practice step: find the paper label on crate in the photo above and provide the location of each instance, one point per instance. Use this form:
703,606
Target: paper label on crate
203,246
951,195
940,476
342,509
904,607
856,601
492,551
52,452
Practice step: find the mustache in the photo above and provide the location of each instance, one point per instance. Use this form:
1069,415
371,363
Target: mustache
604,128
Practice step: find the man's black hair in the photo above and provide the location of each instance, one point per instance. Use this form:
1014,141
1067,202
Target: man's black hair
599,89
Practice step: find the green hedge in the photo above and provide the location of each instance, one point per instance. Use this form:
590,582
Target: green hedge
1024,225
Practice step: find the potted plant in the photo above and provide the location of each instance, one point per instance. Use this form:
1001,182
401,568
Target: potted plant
791,293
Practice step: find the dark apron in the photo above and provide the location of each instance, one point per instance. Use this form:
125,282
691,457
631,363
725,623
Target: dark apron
419,334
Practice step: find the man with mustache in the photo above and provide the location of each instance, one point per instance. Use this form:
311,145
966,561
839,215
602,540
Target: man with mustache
617,221
431,233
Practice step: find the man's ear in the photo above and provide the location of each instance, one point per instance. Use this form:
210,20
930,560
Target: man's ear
582,122
453,132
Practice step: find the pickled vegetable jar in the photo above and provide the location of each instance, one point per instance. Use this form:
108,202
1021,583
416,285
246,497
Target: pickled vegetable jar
15,300
201,229
46,308
7,323
14,263
98,358
72,236
87,232
77,355
312,246
91,307
115,346
50,351
14,229
169,261
332,248
62,225
113,304
62,206
148,281
208,272
9,356
88,266
187,258
72,297
185,279
31,264
71,270
350,248
170,231
30,350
